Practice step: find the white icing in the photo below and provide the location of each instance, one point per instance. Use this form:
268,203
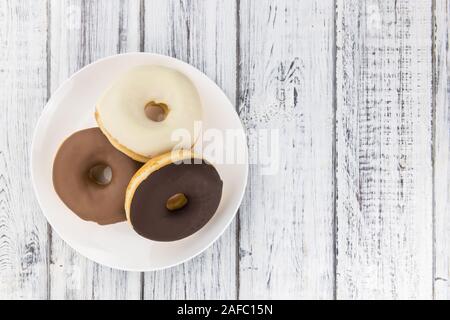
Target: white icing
122,109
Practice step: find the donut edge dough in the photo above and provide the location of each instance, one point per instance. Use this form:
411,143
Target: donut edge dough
133,155
150,167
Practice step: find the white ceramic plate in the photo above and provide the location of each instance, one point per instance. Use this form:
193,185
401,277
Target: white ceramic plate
71,108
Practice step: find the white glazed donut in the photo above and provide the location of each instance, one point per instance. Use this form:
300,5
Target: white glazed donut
121,111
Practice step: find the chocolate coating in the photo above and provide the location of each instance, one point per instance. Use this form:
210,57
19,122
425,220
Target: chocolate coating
91,201
200,183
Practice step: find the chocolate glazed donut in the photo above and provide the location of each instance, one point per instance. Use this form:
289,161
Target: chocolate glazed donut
82,180
168,201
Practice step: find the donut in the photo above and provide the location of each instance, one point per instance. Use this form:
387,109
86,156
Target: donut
172,196
146,104
91,176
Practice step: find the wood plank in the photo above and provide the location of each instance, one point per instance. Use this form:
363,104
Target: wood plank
23,94
286,84
81,32
441,151
203,34
384,168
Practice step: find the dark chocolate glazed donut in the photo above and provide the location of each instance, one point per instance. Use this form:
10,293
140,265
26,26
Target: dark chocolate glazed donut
90,199
149,215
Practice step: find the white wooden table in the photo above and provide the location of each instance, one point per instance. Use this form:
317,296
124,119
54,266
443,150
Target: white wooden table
360,207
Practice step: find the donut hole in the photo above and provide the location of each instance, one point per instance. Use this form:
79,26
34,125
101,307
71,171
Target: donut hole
156,111
176,202
101,174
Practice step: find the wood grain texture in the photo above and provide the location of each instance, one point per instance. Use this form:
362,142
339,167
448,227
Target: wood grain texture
388,149
441,151
286,84
384,165
81,32
202,33
23,93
